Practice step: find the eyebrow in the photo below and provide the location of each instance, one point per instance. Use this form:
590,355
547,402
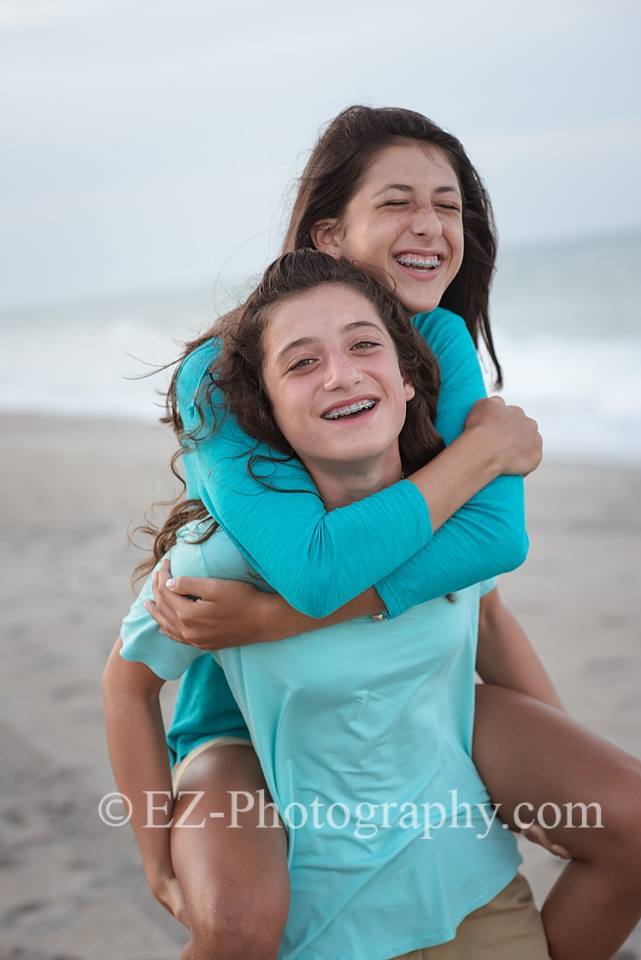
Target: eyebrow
406,188
303,341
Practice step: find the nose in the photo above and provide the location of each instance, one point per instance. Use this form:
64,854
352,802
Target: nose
341,371
425,222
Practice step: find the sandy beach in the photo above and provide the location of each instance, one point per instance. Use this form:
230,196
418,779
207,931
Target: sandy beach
72,888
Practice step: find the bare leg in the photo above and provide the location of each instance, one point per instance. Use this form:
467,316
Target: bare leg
529,752
235,880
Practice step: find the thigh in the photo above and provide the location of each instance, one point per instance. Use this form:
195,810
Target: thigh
229,866
531,753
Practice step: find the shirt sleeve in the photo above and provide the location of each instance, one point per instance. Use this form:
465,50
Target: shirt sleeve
487,536
143,641
488,585
317,560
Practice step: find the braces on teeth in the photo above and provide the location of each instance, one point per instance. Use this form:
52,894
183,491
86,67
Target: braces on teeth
353,408
429,263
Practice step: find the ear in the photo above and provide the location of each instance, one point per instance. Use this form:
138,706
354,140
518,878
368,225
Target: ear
410,392
326,237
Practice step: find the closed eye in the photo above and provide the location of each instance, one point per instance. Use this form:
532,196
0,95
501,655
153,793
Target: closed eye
396,203
366,344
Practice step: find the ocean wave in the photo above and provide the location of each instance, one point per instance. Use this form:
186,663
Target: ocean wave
583,391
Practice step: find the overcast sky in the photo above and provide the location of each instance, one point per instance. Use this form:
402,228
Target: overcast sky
148,145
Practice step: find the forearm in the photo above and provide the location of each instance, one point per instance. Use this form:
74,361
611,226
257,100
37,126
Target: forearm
474,546
136,740
484,539
279,620
456,475
506,657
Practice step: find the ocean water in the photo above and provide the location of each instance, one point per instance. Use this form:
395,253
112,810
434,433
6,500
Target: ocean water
567,322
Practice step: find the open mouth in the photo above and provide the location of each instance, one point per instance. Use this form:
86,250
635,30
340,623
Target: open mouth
412,261
351,411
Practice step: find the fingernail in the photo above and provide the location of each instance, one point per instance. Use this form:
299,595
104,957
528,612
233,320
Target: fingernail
171,584
146,604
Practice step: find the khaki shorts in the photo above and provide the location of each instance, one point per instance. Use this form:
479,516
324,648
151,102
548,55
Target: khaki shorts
178,771
509,927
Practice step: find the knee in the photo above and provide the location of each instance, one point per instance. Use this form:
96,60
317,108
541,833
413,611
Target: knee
622,820
239,946
226,932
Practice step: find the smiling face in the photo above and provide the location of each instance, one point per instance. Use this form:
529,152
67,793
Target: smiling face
405,218
331,372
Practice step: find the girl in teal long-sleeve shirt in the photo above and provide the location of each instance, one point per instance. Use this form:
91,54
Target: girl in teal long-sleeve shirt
323,560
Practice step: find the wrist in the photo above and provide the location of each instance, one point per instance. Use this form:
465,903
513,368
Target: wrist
274,614
487,452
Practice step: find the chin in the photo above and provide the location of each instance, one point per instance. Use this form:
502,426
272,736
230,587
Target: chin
416,303
422,307
364,453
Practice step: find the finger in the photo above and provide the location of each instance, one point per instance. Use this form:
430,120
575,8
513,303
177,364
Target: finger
166,602
167,612
179,609
535,834
162,622
177,613
158,588
179,602
161,575
204,588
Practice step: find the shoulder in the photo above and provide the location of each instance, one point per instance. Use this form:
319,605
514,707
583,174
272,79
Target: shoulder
193,368
452,344
441,325
487,586
217,557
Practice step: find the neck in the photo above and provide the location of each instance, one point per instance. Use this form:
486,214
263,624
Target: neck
343,482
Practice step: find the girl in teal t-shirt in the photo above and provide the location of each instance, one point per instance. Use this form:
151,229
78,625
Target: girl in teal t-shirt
363,729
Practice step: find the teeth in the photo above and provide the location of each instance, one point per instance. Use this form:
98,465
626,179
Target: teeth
352,408
424,263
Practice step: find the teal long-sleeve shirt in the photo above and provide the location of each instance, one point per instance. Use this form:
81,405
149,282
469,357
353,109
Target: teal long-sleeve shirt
319,560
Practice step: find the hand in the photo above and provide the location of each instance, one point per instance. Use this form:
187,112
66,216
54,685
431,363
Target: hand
167,892
514,436
536,834
226,613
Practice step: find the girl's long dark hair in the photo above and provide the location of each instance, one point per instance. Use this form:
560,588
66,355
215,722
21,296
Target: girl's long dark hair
237,374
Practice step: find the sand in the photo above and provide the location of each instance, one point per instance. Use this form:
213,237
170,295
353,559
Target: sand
72,888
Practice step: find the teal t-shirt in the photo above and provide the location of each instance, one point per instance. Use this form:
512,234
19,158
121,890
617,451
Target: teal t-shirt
357,728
